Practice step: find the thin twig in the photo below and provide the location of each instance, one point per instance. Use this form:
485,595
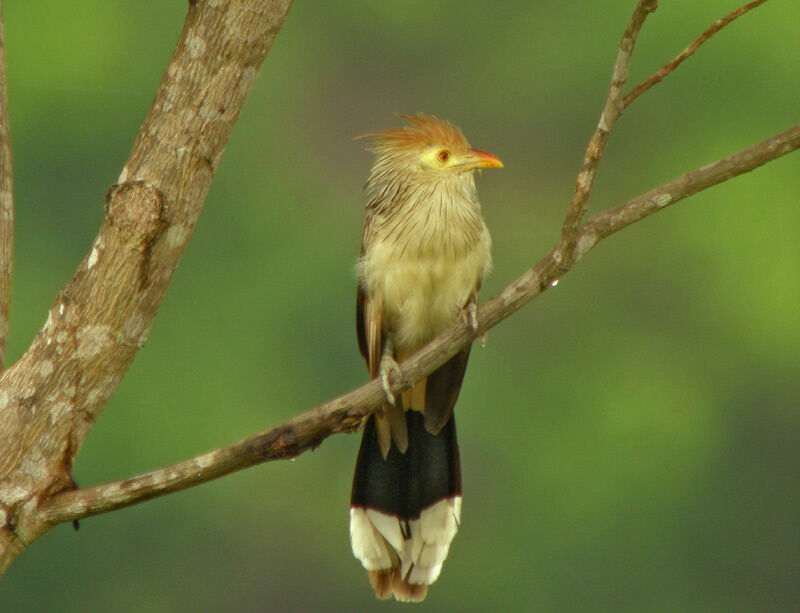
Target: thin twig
674,63
608,222
597,143
6,200
308,430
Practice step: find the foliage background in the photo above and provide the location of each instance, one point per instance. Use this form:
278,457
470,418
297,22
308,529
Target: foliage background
630,440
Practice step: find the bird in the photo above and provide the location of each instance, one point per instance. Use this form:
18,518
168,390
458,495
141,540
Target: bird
425,252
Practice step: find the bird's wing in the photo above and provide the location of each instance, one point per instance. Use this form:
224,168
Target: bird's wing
441,390
444,384
369,328
390,420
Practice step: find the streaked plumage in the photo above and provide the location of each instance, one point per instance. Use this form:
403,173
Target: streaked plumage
425,252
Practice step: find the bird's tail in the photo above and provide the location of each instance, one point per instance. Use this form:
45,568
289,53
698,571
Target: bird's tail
405,509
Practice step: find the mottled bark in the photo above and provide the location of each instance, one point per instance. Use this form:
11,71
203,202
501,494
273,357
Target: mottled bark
51,397
6,201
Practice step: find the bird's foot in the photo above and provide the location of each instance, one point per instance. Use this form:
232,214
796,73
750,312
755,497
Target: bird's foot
470,314
389,368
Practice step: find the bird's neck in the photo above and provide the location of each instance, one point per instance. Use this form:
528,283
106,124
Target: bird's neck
440,216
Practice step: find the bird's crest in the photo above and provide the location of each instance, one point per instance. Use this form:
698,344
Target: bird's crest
425,131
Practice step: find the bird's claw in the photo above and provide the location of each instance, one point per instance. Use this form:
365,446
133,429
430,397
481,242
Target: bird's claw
387,388
389,367
472,316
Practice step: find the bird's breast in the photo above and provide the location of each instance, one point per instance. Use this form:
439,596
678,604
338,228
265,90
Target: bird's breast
423,271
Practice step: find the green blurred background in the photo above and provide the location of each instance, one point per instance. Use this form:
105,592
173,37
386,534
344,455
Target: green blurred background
630,440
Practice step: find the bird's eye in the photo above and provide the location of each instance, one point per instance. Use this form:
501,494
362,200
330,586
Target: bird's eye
443,156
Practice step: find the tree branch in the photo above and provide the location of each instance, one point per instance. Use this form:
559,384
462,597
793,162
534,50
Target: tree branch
597,143
608,222
345,413
675,62
6,200
51,397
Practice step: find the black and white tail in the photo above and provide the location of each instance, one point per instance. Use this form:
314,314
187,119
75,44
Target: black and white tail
405,509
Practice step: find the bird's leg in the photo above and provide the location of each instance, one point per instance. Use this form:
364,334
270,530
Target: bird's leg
388,368
470,314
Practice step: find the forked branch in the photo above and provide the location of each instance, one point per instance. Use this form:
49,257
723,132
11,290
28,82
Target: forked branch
50,398
667,68
597,143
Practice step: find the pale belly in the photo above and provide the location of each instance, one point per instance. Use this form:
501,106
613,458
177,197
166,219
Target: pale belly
422,293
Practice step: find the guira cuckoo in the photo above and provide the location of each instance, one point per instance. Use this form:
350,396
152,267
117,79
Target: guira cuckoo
425,251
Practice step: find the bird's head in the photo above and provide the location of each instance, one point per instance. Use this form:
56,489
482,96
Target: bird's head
426,150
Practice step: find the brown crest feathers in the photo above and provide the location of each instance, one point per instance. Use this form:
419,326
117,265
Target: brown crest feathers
425,131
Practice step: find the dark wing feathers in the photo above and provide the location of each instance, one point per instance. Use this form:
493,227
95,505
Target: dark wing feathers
361,332
369,328
442,386
441,390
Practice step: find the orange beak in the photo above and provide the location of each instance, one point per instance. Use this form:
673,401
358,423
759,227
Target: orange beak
480,159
